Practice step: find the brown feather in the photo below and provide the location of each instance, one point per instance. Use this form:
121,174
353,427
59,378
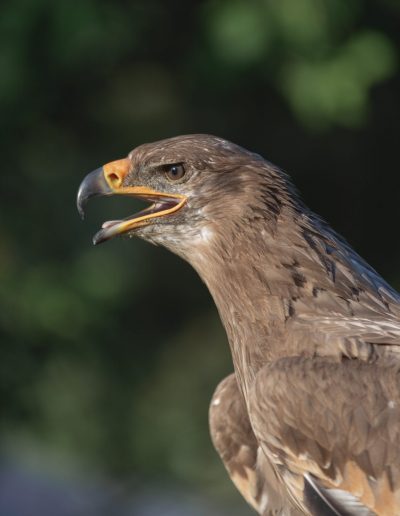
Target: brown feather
314,331
236,444
294,426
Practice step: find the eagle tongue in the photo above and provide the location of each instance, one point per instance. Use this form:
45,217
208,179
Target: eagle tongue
109,223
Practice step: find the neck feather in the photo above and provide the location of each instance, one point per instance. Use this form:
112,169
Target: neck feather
263,277
268,262
253,275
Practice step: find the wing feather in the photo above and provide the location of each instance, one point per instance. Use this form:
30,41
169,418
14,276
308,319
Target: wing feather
335,422
250,470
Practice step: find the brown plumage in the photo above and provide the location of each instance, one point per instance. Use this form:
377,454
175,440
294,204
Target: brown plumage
247,465
314,331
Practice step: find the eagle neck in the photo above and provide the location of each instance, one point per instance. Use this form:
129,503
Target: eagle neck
252,286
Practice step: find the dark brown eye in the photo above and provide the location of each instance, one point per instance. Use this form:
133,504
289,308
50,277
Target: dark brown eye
175,172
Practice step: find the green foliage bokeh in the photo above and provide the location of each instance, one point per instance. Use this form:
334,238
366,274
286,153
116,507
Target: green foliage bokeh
109,355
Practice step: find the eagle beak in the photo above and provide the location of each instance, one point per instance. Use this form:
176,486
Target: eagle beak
109,180
102,181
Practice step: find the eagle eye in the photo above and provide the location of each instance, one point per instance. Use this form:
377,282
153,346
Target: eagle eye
174,172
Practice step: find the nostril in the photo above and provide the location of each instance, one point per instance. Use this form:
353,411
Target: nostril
115,172
114,179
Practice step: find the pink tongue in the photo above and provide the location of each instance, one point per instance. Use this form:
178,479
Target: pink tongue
110,223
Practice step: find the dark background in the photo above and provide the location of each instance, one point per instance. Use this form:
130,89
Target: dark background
109,355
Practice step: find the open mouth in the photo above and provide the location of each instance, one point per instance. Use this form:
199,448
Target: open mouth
160,208
108,180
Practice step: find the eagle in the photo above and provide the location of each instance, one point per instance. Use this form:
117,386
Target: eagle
309,422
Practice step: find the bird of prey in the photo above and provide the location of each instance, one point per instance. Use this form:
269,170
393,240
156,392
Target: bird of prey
310,421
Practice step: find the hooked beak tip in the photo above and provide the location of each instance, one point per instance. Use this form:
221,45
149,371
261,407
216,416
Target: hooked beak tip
93,185
81,209
97,239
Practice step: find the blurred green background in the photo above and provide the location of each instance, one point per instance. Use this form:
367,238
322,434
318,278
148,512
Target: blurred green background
109,355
